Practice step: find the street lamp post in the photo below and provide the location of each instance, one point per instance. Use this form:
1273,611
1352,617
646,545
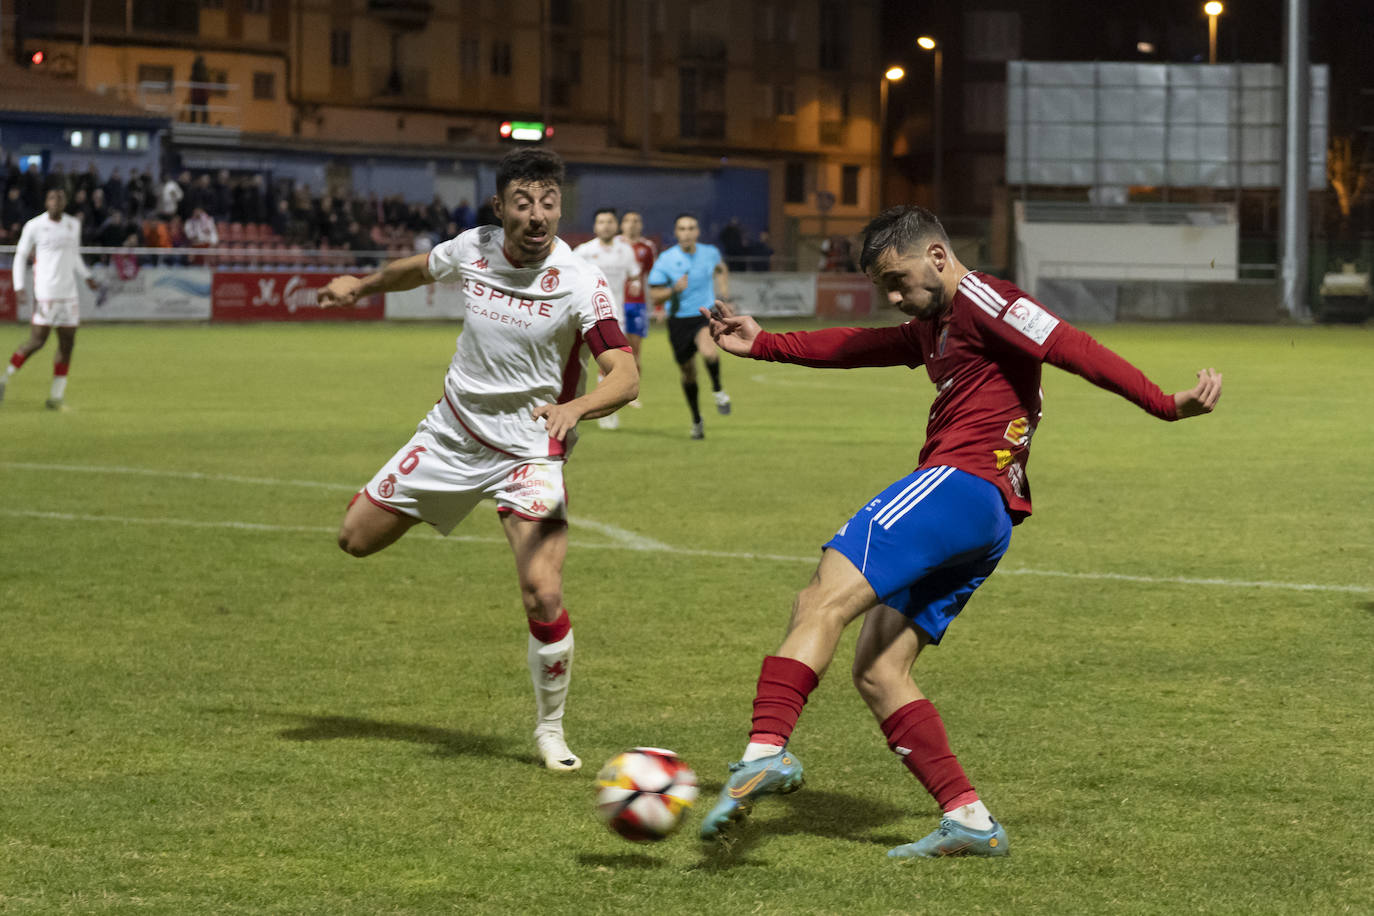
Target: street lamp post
1213,9
893,74
926,43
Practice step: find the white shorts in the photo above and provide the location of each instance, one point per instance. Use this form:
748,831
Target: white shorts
440,476
59,313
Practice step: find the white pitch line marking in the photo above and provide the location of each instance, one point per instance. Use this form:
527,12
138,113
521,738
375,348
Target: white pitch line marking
624,539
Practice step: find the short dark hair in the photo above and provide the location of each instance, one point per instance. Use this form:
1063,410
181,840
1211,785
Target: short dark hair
686,215
610,210
540,166
900,228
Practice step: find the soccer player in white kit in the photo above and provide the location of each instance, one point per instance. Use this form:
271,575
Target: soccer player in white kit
512,399
618,262
51,239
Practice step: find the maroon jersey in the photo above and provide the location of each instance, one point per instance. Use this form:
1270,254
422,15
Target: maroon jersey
645,253
984,355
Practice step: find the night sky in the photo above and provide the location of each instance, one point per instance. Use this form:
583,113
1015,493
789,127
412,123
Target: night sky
1249,31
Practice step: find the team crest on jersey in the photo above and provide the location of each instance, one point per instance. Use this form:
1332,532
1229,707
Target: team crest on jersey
549,282
601,303
387,488
481,263
1019,431
602,284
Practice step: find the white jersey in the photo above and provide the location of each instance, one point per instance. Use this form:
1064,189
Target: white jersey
617,261
57,265
523,338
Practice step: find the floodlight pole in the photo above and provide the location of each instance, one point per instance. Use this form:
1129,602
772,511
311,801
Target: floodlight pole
1293,204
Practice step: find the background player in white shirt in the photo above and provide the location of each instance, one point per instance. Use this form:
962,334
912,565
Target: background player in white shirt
617,261
511,403
51,239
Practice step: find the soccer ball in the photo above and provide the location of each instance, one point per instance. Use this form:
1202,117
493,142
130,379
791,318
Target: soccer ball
643,793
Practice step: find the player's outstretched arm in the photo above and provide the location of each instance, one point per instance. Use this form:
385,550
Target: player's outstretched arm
732,333
404,273
619,386
1201,398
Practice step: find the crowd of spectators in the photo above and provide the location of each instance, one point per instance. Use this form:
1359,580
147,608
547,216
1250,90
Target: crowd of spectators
268,223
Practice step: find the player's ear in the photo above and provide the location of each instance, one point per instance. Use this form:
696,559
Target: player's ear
497,206
938,254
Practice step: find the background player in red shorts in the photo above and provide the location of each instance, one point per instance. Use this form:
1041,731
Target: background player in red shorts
511,403
636,305
909,560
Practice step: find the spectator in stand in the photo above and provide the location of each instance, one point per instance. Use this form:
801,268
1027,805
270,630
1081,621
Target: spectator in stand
89,180
58,180
201,194
200,92
80,206
223,191
463,216
731,242
14,213
169,198
281,218
100,208
139,194
201,230
760,253
31,190
116,231
486,215
114,190
176,234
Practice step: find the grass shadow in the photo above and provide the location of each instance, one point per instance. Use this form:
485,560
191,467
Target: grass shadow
624,860
834,815
445,742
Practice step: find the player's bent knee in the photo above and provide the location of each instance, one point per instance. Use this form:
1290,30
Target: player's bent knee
543,603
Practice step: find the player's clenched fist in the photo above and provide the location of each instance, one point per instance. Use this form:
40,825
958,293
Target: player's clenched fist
341,292
559,419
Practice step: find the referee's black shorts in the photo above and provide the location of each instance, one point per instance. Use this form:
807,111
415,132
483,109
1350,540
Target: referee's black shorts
682,335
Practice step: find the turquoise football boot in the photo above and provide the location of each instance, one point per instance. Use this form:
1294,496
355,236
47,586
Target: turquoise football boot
954,839
775,775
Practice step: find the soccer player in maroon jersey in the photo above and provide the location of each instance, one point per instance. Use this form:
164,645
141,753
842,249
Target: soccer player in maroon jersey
908,561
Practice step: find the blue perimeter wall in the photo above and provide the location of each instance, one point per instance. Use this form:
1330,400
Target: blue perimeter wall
715,195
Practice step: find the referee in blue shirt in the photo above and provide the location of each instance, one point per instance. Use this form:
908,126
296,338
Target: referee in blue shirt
685,279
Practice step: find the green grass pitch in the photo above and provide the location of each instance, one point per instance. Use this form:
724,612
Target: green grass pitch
206,707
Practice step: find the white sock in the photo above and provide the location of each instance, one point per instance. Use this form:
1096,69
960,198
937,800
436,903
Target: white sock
756,751
9,370
59,387
550,670
974,816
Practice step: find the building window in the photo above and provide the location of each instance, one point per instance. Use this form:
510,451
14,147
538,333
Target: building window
264,86
136,140
561,12
834,52
701,103
794,183
500,58
992,35
469,56
111,140
155,78
849,185
340,48
784,101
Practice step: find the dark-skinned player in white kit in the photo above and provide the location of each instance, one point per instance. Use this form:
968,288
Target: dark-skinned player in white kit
512,399
910,558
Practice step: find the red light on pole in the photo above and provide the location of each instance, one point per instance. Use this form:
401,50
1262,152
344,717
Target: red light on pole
37,57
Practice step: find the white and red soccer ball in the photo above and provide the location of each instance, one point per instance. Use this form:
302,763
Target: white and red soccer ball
643,793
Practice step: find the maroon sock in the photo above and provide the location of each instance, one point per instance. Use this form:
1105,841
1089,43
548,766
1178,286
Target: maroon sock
551,632
784,685
17,361
60,368
916,734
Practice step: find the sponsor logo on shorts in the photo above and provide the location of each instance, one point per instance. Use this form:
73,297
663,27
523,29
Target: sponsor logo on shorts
387,488
549,282
538,508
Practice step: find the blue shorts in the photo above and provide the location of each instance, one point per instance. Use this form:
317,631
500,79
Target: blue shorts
637,319
926,542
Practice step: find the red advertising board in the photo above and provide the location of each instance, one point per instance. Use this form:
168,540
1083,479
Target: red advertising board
255,296
9,307
844,296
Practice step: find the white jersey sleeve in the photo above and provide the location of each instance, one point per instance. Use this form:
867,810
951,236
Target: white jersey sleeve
446,258
22,253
